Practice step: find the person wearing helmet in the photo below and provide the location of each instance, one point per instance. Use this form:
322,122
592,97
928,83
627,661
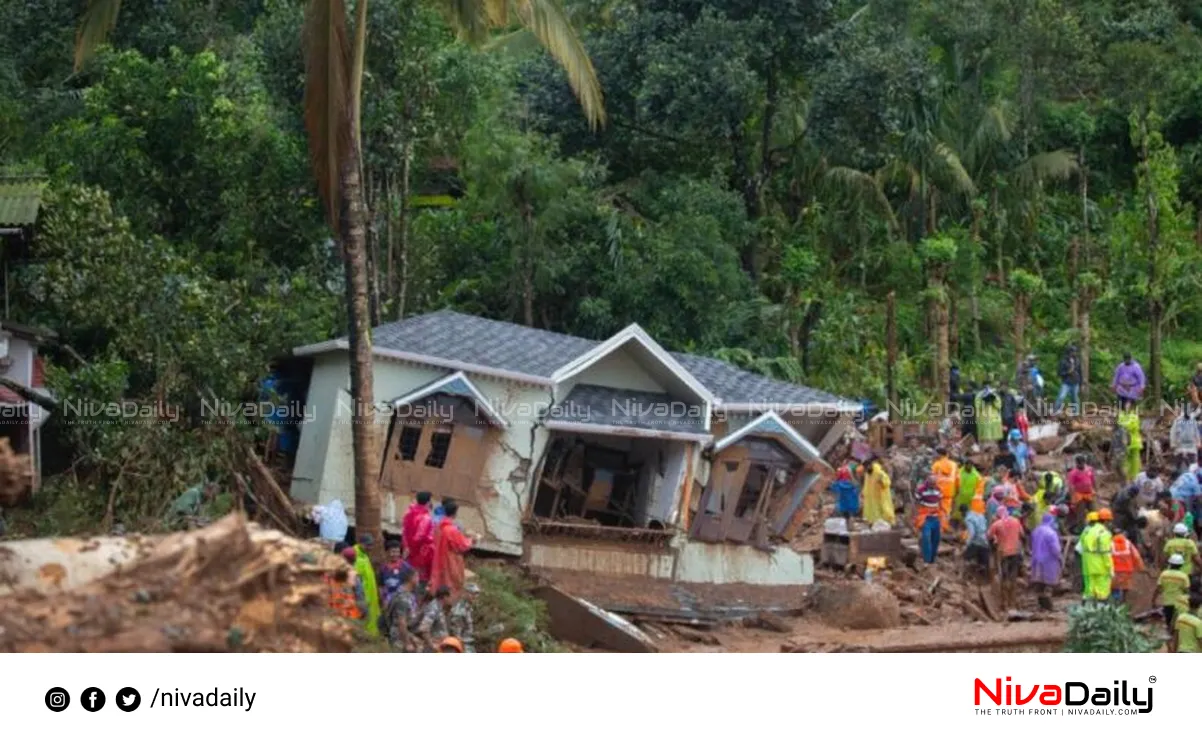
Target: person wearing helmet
1181,544
1172,590
1097,560
450,645
510,645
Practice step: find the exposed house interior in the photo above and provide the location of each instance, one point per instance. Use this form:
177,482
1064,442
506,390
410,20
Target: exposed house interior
607,485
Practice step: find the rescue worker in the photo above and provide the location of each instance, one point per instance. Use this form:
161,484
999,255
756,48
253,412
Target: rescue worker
947,479
367,578
972,485
1081,484
1127,562
1189,627
342,596
878,498
928,518
1007,534
1045,560
1051,489
1172,589
1128,420
1181,544
1097,559
988,409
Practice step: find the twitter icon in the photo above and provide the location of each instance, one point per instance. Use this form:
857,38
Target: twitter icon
128,699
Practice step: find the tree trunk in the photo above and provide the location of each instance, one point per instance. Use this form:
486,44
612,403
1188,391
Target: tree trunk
390,242
352,237
1020,331
371,201
891,351
402,293
1086,301
975,302
942,362
953,326
1001,258
1073,265
1155,303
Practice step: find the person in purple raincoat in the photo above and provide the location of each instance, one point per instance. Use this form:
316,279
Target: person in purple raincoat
1045,559
1129,381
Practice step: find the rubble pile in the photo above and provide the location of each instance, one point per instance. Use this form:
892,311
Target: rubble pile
229,587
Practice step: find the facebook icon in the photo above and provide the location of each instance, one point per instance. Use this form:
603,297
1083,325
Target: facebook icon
92,699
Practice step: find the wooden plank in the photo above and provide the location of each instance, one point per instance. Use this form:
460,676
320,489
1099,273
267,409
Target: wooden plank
686,498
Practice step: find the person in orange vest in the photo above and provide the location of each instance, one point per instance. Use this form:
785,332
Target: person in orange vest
1127,561
947,479
344,597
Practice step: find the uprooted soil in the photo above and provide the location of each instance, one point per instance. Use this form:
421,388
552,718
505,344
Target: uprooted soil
228,587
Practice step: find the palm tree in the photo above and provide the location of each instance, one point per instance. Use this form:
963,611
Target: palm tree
334,67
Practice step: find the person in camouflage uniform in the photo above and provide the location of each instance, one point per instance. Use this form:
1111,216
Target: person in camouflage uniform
459,620
402,613
433,625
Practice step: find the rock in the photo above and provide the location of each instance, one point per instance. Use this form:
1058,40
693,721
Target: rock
767,620
855,606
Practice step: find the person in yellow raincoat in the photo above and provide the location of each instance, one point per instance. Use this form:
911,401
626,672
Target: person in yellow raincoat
988,410
877,496
1128,420
1097,558
947,479
1051,487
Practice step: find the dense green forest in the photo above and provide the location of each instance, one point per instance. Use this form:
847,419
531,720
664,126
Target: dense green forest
770,179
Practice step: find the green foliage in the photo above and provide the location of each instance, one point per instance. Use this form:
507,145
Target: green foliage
938,250
1105,628
1025,282
504,608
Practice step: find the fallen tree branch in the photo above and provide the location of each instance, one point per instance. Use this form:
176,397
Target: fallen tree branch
29,394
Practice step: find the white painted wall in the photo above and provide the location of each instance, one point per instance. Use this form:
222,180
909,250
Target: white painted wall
700,562
620,371
325,467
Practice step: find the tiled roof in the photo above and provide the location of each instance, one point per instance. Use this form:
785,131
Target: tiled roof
606,406
20,201
518,349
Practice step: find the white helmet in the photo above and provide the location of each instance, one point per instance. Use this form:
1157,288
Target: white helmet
1180,530
1176,559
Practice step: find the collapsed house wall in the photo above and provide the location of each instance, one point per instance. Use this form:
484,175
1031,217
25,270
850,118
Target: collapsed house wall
700,562
325,464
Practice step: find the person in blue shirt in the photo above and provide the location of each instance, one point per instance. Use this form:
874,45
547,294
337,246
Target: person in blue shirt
1021,451
847,495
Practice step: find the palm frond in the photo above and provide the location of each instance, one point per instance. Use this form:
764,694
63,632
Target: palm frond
863,186
98,21
327,97
953,170
550,24
1057,165
992,129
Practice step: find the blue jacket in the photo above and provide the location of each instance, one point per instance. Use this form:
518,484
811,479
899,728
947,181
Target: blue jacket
1186,487
847,496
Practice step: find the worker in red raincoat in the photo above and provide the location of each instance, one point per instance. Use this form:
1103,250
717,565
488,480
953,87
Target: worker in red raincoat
450,545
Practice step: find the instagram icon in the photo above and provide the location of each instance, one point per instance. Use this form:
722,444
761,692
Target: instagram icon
57,699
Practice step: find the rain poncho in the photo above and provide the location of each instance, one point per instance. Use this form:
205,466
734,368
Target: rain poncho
1045,552
1129,421
972,483
1183,436
878,499
989,415
1129,380
331,521
1097,561
367,578
947,479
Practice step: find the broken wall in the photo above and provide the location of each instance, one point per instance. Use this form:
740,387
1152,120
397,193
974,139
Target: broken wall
701,562
325,463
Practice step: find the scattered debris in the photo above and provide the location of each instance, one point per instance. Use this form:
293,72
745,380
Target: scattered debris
229,586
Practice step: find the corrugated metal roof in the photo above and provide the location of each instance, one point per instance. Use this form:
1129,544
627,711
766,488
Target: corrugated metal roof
20,201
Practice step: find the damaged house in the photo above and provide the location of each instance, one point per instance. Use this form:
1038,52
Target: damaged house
612,456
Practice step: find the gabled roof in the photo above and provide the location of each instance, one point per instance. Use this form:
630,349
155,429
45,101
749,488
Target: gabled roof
589,404
453,384
472,344
20,200
773,426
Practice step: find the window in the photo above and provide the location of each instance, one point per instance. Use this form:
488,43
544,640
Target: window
440,446
407,447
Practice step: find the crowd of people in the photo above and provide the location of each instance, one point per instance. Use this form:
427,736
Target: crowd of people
419,599
1014,521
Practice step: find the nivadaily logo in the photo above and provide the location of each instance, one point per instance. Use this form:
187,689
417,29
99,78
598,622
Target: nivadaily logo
1069,697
